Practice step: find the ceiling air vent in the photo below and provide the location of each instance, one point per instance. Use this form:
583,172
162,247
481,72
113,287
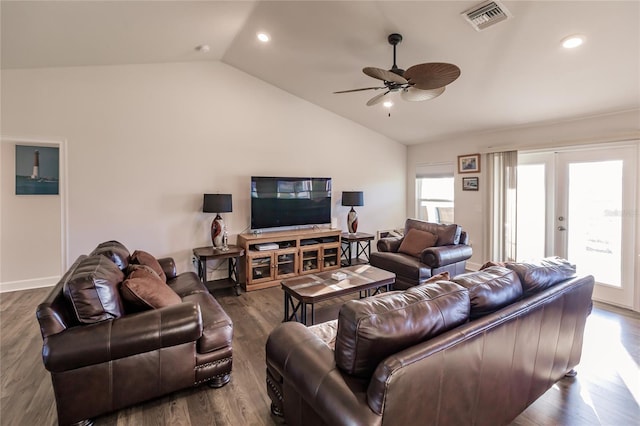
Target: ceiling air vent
486,14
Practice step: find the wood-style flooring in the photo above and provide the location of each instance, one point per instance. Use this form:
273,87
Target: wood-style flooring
605,392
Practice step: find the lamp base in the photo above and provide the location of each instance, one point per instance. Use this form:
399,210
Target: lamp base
217,230
352,221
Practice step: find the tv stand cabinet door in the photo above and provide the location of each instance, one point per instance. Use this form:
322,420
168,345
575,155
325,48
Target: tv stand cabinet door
330,256
310,259
286,263
260,267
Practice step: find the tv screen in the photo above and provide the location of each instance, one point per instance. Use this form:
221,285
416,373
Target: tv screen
289,201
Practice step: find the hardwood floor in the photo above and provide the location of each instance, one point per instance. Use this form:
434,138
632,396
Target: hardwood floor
605,392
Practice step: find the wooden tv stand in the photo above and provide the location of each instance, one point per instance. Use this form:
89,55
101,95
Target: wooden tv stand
298,252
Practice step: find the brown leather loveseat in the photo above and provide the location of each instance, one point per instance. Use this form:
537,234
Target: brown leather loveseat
475,351
425,250
106,348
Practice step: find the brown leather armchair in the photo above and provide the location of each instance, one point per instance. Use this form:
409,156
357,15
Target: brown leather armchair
119,361
449,253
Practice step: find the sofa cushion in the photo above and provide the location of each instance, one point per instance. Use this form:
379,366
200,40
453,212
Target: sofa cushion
92,290
542,274
490,289
187,283
217,331
143,289
326,331
447,234
140,257
371,329
114,251
402,265
415,241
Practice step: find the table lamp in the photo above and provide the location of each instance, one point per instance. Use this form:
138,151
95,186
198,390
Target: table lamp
352,198
217,203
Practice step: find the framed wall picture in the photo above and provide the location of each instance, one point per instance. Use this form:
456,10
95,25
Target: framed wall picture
469,163
37,170
469,183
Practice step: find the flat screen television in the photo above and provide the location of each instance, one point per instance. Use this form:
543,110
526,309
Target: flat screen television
289,201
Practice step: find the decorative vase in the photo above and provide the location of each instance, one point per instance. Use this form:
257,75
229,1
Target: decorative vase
352,221
217,230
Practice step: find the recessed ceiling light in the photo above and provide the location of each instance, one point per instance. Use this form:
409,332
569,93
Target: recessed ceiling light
572,42
263,37
388,104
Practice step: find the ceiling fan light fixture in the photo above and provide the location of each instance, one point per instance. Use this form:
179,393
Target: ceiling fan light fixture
420,82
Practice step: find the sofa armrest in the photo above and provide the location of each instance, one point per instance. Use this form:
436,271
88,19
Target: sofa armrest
307,364
121,337
168,267
439,256
390,244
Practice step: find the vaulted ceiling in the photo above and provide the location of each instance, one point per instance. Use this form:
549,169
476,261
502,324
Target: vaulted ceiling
513,73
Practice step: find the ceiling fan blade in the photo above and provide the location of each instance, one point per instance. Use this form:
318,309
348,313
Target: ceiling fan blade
377,98
432,75
385,75
359,90
412,94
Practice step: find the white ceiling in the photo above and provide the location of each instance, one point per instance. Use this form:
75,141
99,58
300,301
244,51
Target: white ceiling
514,73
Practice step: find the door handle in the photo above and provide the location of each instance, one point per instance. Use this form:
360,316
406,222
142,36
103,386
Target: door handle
561,228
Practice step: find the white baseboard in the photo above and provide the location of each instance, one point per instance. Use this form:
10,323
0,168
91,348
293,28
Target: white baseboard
28,284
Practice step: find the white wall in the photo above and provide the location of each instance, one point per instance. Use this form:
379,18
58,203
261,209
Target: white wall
41,216
144,142
469,205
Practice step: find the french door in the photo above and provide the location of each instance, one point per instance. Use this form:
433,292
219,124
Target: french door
587,197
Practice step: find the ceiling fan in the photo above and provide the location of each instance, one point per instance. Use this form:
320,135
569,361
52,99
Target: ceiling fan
418,83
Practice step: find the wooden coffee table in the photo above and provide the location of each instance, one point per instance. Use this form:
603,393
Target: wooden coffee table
313,288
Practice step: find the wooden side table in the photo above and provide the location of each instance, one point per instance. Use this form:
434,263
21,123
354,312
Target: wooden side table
232,255
363,248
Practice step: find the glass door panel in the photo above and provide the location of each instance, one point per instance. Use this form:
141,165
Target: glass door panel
595,188
261,268
285,264
594,237
310,261
531,227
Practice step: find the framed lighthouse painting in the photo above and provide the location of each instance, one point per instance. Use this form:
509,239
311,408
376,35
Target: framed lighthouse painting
37,170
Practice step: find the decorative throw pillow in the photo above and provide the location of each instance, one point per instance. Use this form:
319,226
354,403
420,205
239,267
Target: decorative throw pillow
448,234
115,251
490,289
492,263
442,276
542,274
143,290
140,257
415,241
92,290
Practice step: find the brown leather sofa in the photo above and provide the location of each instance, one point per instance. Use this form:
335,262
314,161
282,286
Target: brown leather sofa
475,351
448,253
120,360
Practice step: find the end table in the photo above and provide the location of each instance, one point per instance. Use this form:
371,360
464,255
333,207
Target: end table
232,255
363,248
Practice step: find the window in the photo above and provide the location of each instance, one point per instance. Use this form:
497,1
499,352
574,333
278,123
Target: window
434,193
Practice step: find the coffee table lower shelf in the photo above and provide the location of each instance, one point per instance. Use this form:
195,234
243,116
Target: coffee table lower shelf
302,291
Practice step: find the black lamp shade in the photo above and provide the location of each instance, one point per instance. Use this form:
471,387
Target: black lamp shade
216,203
352,198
